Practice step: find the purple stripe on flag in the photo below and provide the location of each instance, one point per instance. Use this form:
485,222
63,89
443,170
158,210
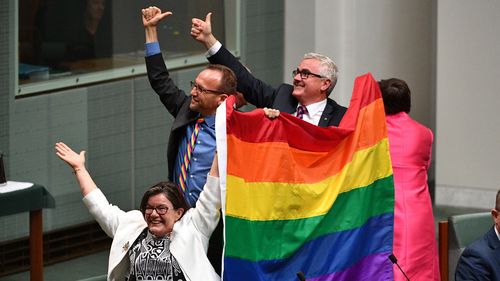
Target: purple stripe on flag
363,270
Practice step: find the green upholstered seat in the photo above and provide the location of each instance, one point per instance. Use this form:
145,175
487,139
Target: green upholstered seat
463,230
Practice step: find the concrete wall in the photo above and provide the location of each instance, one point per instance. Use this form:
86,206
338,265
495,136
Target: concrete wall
468,134
6,64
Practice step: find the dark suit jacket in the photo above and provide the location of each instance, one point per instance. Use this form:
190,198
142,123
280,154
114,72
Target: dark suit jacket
175,101
261,94
481,259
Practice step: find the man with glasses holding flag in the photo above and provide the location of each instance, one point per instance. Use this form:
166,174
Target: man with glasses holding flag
313,80
191,144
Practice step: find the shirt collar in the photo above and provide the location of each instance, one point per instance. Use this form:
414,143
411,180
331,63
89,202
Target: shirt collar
210,120
496,231
314,108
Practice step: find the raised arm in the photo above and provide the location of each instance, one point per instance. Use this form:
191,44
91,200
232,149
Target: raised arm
254,90
106,214
77,163
201,31
151,17
170,95
206,212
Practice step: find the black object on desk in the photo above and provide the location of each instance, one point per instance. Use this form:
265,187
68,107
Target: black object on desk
3,180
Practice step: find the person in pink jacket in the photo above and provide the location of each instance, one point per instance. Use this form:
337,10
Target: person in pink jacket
410,148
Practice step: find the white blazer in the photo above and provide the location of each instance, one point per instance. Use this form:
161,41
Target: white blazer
189,238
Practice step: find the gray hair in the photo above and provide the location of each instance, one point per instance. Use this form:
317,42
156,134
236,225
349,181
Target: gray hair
328,68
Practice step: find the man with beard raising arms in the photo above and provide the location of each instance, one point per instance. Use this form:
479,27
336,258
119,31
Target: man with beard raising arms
191,145
313,80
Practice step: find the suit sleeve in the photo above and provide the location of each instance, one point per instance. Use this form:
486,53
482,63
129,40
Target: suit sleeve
106,214
255,91
170,95
472,266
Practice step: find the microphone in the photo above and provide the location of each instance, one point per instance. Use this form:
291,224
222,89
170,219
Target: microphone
301,276
394,260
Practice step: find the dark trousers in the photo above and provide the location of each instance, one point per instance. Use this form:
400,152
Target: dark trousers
215,246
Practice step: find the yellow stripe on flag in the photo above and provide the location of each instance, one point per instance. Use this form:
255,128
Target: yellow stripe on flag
255,200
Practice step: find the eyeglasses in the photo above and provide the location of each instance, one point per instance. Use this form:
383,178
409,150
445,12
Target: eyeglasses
304,74
161,210
200,89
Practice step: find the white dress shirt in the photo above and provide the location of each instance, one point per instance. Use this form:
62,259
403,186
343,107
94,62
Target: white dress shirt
214,49
314,112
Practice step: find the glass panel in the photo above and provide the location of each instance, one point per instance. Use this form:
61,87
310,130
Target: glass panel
62,38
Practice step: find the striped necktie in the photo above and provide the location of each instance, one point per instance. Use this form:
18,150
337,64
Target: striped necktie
188,154
301,110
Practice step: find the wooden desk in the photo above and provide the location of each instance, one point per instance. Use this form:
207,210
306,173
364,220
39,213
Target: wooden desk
32,199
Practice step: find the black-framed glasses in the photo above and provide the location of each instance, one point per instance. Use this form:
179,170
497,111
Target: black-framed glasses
200,89
160,210
304,74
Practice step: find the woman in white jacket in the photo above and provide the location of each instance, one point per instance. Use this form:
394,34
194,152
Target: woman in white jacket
162,241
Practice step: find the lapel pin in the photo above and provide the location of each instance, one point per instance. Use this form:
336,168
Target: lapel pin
125,247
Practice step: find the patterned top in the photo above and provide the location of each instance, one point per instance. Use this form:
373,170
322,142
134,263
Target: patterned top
151,259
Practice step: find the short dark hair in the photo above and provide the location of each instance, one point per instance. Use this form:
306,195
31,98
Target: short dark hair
497,203
170,190
396,96
228,80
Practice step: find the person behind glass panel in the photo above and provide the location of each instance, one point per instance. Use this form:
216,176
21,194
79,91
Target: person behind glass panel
93,15
65,32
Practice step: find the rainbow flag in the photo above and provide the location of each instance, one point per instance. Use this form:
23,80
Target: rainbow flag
297,197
